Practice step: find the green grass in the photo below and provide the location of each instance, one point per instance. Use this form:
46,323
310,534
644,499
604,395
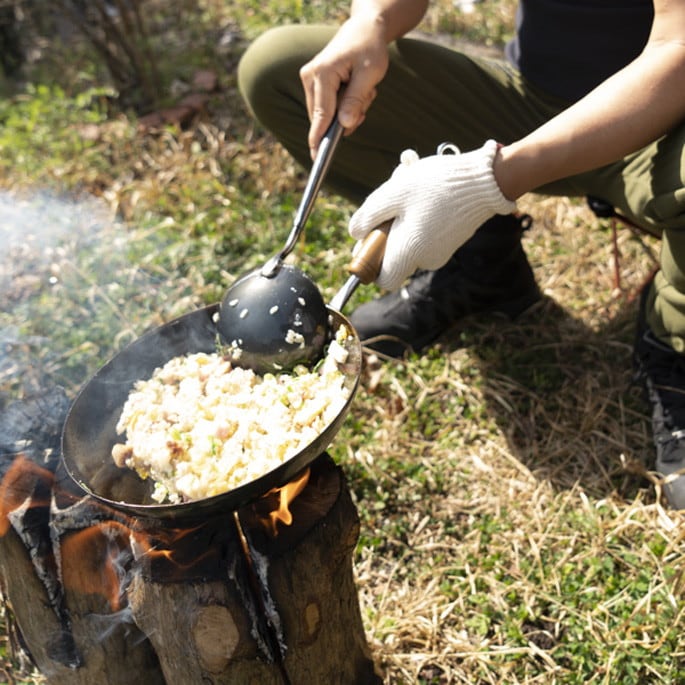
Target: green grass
511,531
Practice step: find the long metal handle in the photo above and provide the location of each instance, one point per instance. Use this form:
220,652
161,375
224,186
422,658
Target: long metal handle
364,266
322,161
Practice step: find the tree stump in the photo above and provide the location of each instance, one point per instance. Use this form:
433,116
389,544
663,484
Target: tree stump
98,596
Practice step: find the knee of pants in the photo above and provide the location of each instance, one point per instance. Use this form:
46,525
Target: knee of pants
269,68
673,258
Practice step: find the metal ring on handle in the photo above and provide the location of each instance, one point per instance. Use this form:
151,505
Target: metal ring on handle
448,148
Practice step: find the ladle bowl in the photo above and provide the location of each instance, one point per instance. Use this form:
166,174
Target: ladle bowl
272,323
274,318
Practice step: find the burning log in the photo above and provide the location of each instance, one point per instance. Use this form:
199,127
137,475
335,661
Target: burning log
262,595
308,571
67,628
282,610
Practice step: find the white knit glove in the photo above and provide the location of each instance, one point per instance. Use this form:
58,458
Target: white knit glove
437,204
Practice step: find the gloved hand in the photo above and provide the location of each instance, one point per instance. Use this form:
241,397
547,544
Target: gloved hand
437,203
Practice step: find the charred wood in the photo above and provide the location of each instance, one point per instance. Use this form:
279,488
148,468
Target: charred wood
101,596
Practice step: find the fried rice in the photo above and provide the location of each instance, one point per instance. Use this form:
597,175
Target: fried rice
200,426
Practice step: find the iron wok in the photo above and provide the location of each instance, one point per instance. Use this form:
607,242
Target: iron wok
89,431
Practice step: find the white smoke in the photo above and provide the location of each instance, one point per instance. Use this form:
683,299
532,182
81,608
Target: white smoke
72,291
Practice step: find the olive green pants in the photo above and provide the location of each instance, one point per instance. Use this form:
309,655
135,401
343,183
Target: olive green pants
432,94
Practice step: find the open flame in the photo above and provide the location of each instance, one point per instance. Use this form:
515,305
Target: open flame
95,549
285,494
94,560
19,486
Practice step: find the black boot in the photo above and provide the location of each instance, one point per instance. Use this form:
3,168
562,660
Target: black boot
662,372
489,273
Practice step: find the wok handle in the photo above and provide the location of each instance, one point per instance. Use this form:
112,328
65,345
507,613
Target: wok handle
366,263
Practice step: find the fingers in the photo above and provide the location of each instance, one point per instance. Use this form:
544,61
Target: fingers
342,78
321,93
390,279
382,205
353,106
398,263
324,98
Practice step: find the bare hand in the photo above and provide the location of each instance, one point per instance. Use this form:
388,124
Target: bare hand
356,58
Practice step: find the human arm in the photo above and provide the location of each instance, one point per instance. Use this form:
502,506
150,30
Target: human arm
357,56
632,108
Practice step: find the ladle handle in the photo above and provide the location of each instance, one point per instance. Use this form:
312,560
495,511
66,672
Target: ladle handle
319,169
324,156
366,263
318,172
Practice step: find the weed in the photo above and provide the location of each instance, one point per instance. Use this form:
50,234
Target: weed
511,531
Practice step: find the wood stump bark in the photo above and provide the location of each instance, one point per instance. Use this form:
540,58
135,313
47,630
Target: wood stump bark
97,596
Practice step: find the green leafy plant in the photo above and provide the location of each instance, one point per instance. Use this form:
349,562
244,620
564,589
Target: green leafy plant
510,528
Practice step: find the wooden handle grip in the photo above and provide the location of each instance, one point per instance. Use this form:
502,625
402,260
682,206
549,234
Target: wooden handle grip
366,263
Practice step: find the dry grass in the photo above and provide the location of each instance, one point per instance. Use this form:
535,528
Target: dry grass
536,498
512,531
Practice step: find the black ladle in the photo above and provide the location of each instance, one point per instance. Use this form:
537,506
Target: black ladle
274,317
277,351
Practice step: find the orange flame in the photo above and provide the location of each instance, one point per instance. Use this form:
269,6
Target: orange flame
19,485
286,494
91,560
94,559
163,545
